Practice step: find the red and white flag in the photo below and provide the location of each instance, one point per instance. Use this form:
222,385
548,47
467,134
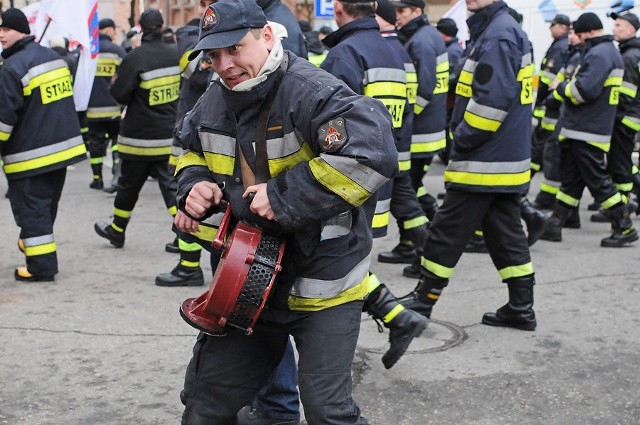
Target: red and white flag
77,20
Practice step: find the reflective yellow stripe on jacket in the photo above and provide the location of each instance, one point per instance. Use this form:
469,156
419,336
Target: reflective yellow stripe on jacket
488,173
44,156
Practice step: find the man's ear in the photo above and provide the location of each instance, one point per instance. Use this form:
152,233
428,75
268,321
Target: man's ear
269,36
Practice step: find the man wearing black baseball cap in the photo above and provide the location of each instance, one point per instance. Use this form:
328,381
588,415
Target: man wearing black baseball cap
627,123
591,98
36,96
319,135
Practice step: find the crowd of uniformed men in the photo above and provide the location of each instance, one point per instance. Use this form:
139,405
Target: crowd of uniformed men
474,108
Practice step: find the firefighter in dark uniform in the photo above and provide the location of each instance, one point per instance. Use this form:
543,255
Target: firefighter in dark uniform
627,123
591,98
428,93
554,59
36,97
552,156
148,83
275,11
319,197
485,177
103,112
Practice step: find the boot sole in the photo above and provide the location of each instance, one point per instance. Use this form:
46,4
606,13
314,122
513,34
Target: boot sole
403,348
523,327
105,235
395,260
177,284
619,244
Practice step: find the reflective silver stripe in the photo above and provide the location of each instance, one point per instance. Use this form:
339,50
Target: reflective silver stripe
41,69
629,85
548,74
43,151
145,143
617,73
552,183
281,147
409,67
102,109
385,74
490,167
526,60
486,111
442,58
109,56
337,226
217,143
5,128
546,120
317,288
470,66
634,120
421,101
383,206
162,72
404,156
575,93
584,136
191,66
364,176
38,240
428,137
177,151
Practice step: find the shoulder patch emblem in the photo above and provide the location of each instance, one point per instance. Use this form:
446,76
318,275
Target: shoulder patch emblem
210,19
333,135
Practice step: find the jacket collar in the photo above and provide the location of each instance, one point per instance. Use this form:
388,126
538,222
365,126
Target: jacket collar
17,46
413,25
479,21
349,29
629,44
597,40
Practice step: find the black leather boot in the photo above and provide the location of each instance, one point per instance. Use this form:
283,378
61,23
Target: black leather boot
553,228
105,230
573,220
404,252
622,231
518,312
172,246
601,216
544,201
534,219
476,244
425,295
403,324
181,276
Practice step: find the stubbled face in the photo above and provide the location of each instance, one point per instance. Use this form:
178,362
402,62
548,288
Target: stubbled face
404,15
623,30
243,60
475,5
9,37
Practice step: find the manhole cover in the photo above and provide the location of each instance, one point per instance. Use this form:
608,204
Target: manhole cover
438,336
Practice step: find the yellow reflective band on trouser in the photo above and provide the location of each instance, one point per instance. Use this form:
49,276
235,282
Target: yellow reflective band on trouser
191,264
549,126
414,222
380,220
614,200
628,89
624,187
566,199
439,270
535,167
173,210
358,292
477,179
547,188
122,213
404,165
338,183
32,164
96,161
32,251
632,122
422,191
373,282
117,228
602,146
481,123
189,247
189,159
4,136
539,112
479,233
557,96
516,271
393,313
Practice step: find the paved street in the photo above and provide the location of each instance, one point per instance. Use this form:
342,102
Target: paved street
104,345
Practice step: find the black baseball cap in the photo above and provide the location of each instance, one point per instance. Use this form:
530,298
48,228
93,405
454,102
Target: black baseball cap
629,17
226,22
561,19
106,23
151,19
408,3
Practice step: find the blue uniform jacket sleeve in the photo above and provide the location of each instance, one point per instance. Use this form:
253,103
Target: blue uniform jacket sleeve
494,88
125,82
588,83
11,101
340,177
425,61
